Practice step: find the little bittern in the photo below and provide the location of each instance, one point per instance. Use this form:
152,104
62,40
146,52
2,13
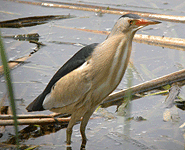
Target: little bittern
83,82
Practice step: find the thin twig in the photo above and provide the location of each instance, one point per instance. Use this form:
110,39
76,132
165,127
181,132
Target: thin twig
38,43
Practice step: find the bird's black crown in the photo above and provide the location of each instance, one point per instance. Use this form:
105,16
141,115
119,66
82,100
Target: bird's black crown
134,16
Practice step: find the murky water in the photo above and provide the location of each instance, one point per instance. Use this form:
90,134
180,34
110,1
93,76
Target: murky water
150,61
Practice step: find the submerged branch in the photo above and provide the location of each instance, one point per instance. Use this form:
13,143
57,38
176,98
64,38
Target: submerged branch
118,97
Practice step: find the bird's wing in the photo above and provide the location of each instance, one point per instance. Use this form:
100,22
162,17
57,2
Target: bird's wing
74,62
70,89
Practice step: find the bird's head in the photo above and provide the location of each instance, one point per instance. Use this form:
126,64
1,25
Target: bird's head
130,23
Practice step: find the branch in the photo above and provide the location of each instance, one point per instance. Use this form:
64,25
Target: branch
118,97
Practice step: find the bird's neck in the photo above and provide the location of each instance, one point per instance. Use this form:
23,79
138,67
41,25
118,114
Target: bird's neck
112,57
121,58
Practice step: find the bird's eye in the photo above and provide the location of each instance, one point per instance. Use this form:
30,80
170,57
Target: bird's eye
130,22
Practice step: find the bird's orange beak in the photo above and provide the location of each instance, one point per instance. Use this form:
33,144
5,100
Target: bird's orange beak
144,22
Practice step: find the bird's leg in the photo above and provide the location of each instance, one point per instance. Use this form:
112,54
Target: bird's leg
69,131
83,125
74,118
68,135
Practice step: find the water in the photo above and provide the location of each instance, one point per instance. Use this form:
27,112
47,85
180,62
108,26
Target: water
150,61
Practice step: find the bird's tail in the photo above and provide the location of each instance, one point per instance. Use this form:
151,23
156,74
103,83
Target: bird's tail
36,105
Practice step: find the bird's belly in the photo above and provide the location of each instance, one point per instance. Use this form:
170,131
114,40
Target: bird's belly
103,89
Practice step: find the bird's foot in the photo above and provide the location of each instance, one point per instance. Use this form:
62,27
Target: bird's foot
68,147
82,147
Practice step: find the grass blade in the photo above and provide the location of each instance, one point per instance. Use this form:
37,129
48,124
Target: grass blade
9,87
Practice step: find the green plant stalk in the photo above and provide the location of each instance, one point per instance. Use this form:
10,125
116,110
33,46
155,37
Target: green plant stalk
128,103
9,87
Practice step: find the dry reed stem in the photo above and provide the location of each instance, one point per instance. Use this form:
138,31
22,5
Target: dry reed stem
108,10
178,76
173,43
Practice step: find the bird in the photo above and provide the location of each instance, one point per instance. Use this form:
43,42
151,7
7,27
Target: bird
90,75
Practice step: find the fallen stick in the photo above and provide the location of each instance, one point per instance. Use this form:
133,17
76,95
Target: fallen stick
118,97
108,10
173,43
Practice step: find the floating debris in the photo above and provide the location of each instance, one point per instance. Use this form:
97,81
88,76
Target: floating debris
140,118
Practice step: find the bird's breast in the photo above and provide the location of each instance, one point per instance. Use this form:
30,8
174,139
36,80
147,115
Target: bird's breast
111,66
